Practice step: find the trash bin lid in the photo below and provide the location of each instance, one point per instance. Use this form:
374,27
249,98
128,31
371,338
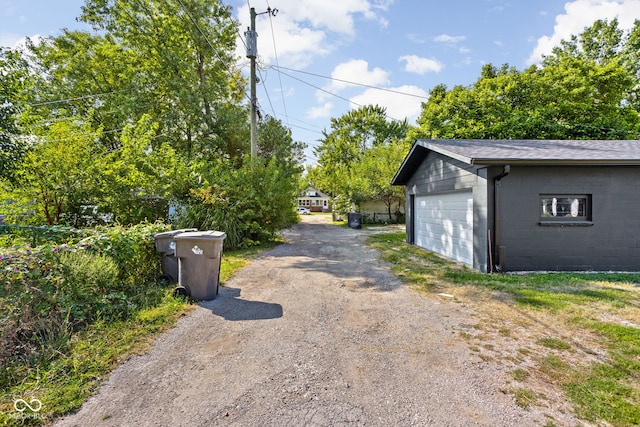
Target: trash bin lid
173,233
205,235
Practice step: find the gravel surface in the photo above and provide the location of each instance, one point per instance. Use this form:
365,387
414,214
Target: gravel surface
316,332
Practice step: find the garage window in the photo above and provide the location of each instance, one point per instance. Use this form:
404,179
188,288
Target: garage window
561,208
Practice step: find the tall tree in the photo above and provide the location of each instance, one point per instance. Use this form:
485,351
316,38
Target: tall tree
582,90
57,173
171,60
275,142
351,137
14,79
371,177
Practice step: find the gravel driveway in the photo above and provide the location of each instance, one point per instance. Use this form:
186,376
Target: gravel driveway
316,332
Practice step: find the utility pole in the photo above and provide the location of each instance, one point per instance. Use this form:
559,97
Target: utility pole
252,53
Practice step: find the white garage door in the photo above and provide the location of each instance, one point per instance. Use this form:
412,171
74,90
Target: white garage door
444,224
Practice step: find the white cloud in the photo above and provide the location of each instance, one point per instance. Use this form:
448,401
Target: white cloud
446,38
336,17
580,14
320,112
295,45
357,71
398,105
419,65
9,39
15,41
416,38
302,31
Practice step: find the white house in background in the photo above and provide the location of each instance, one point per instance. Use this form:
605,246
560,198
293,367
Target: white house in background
314,200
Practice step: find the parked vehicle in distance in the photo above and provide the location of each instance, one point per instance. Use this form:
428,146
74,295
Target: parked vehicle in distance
304,211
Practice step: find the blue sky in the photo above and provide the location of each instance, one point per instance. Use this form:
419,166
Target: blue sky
404,47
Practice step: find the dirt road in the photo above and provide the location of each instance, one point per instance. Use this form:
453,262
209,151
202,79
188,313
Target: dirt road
316,332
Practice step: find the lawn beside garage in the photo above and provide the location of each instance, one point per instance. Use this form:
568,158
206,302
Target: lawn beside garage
577,334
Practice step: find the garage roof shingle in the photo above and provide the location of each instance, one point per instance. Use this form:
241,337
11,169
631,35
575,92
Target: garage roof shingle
530,151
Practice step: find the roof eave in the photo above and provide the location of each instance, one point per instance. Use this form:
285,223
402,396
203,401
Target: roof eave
402,175
448,153
556,162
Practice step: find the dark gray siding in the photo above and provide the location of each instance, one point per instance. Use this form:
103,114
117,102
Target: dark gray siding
612,242
441,174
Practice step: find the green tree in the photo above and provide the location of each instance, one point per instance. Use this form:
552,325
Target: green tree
341,150
14,79
138,179
57,173
275,142
630,56
582,90
186,52
371,177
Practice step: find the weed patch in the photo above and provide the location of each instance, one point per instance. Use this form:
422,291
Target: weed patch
553,343
73,312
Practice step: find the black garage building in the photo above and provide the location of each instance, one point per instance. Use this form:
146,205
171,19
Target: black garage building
526,205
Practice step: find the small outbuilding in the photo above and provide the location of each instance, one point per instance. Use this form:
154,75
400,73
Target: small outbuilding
525,205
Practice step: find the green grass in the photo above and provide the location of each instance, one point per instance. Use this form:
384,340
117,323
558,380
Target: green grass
519,374
553,343
63,383
524,397
602,307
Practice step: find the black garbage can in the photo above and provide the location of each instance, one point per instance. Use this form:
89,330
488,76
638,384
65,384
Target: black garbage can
354,219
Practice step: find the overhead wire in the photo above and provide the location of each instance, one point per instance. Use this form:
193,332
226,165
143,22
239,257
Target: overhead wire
332,94
352,82
264,87
275,52
213,49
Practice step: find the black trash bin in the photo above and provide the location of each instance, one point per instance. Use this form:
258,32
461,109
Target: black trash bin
354,219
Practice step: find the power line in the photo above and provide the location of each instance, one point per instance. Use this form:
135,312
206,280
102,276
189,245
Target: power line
276,67
267,93
315,87
304,128
331,93
275,51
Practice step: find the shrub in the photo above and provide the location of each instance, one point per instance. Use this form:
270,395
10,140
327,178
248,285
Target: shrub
131,248
38,235
49,293
249,204
88,287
